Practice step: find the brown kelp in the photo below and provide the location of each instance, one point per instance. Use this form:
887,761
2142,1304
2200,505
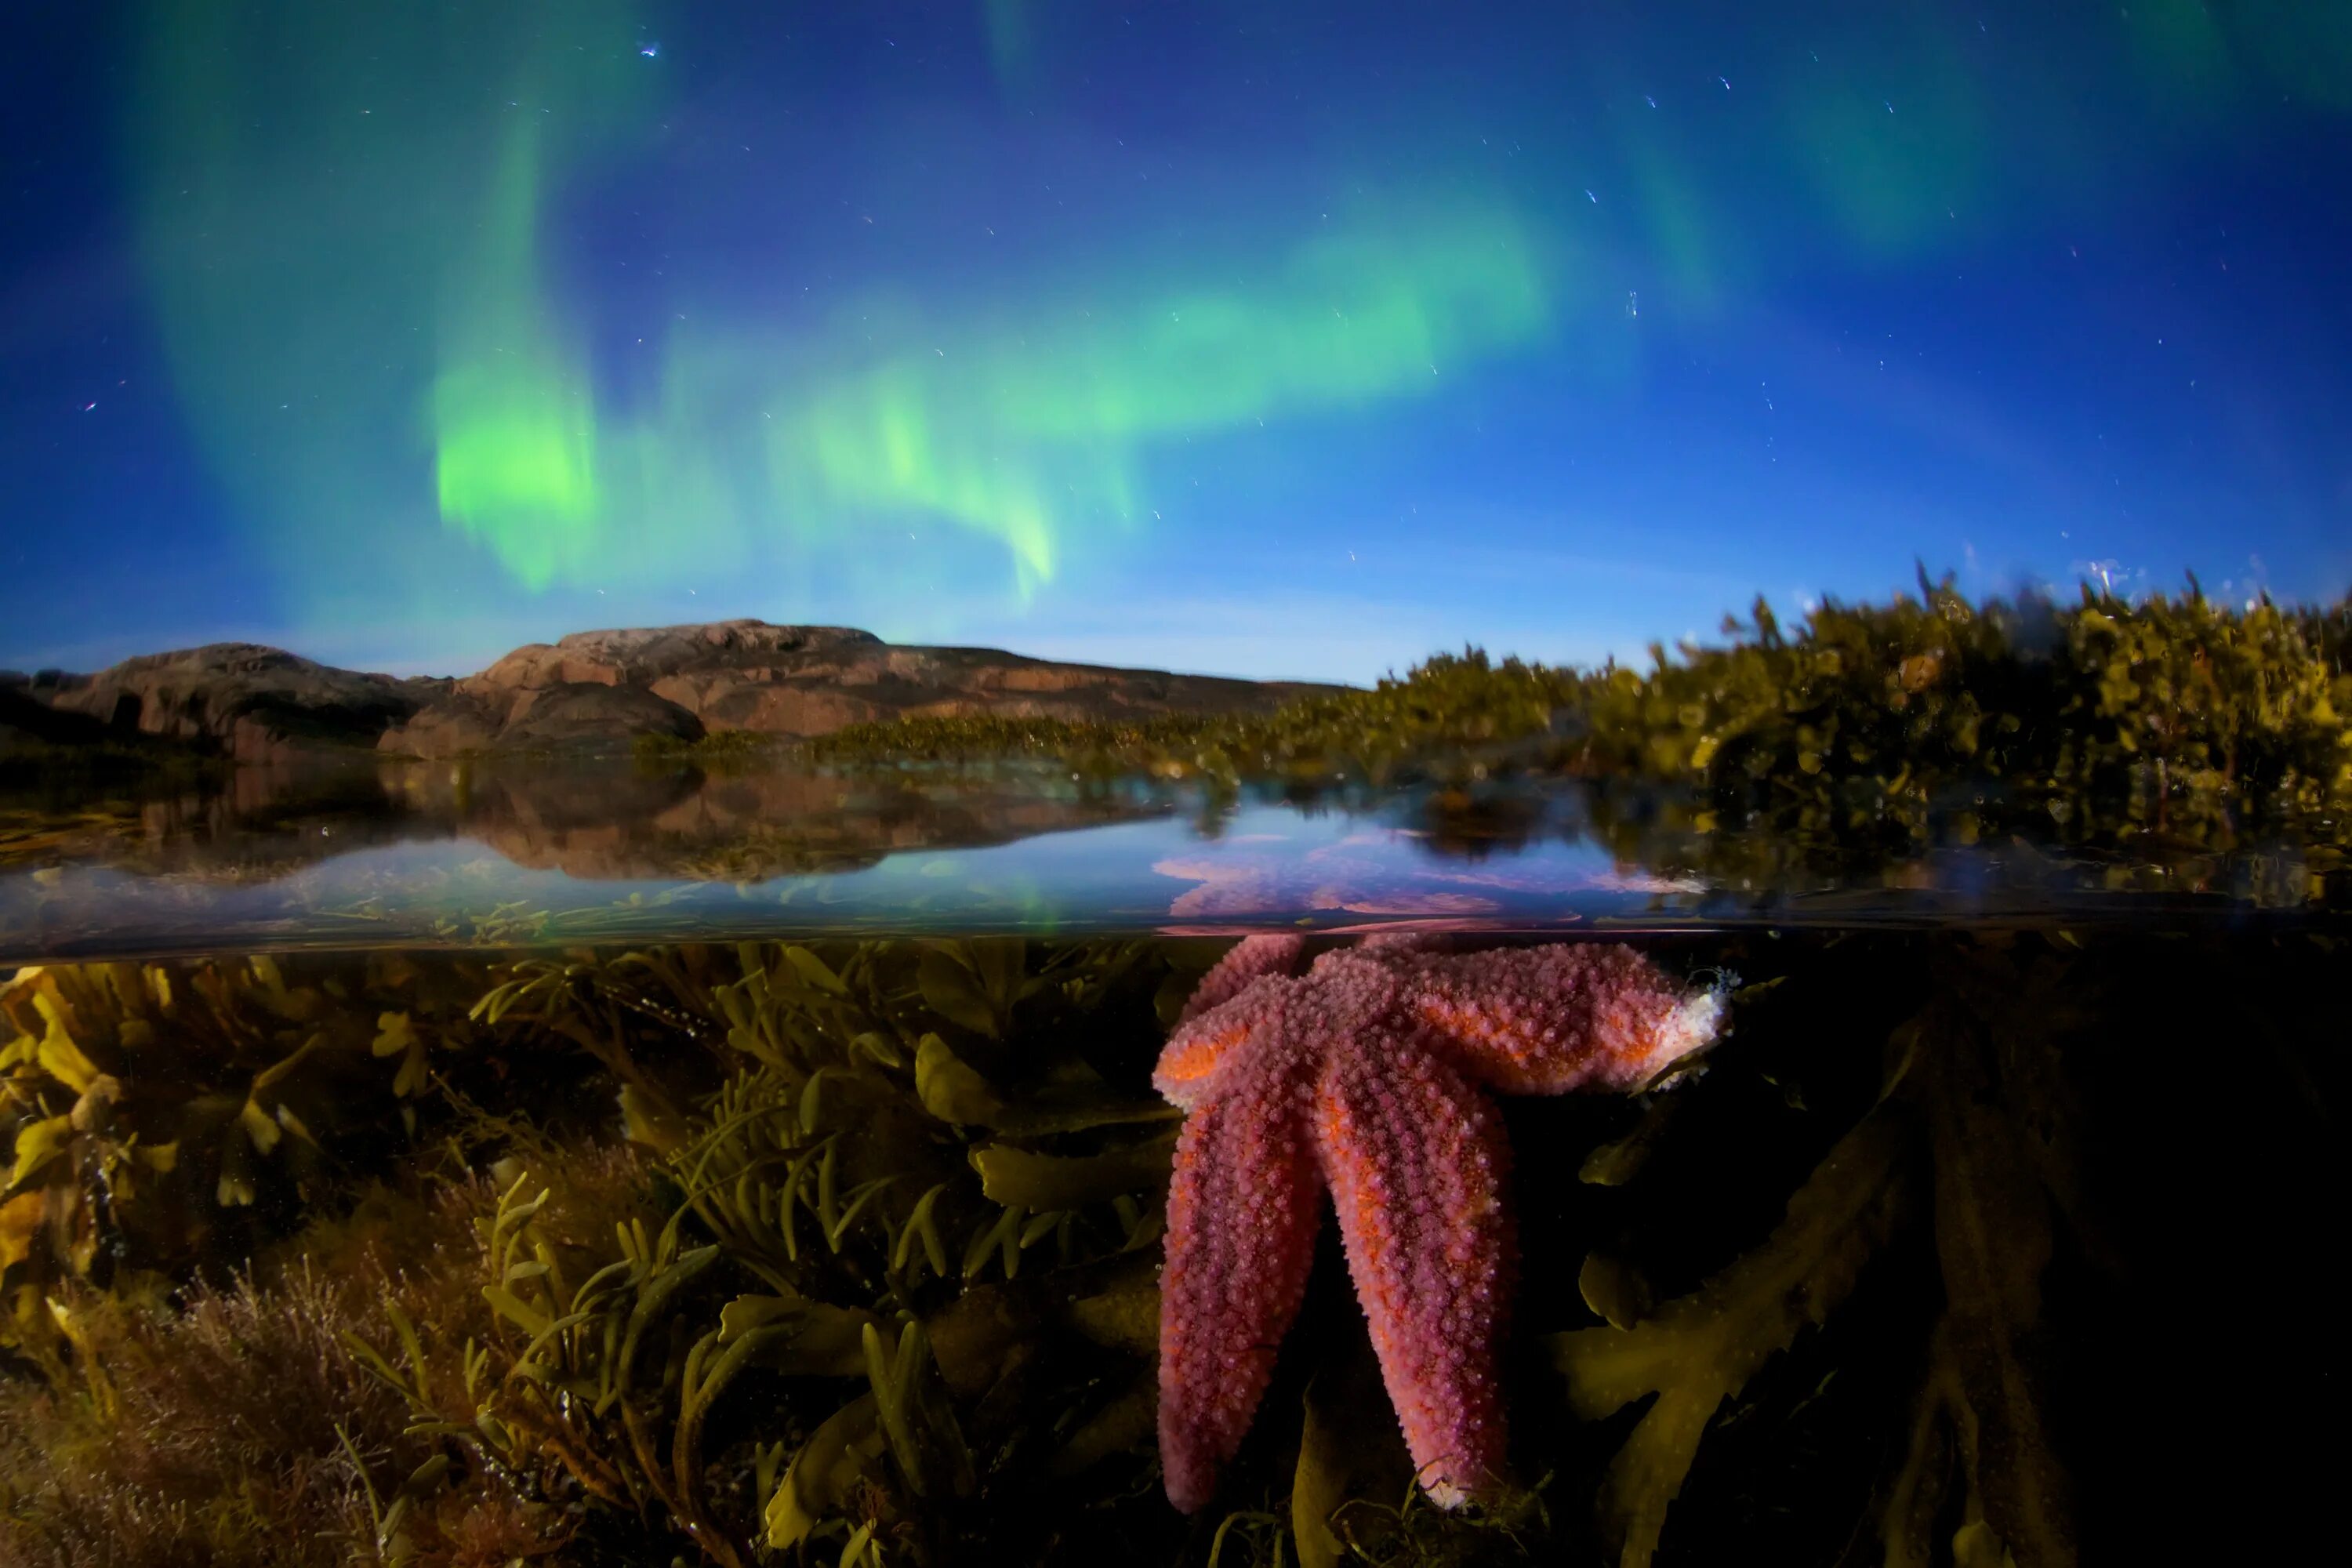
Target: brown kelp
160,1111
1996,1156
849,1251
840,1207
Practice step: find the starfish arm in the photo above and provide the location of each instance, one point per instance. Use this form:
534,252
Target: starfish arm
1543,1020
1242,1212
1225,1009
1405,944
1417,1160
1249,959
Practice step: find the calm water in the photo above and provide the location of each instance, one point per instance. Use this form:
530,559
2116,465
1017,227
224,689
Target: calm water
616,852
1989,1224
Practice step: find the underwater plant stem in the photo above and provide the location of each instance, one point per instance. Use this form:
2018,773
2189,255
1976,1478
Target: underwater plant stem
1700,1349
686,1508
1993,1239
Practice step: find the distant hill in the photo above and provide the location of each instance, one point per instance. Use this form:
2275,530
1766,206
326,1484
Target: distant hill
599,691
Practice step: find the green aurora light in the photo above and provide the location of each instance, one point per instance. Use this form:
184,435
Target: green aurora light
1026,433
1030,425
514,428
355,270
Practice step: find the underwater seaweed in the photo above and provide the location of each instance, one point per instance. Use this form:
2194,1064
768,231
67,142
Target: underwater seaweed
1698,1351
849,1251
201,1434
794,1254
1970,1130
160,1111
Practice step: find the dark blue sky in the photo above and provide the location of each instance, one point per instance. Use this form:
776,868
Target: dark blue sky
1296,340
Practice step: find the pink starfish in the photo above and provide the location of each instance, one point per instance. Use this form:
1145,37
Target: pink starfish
1364,1076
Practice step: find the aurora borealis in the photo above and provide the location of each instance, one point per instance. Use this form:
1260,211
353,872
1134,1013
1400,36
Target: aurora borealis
1273,339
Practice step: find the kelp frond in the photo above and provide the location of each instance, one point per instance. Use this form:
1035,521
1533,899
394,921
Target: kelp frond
1699,1350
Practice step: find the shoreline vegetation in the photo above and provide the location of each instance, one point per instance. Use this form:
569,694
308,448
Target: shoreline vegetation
2164,745
2247,701
1939,681
2166,723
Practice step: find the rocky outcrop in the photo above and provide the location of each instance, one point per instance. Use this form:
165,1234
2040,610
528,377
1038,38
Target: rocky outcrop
568,717
250,703
590,691
788,682
28,722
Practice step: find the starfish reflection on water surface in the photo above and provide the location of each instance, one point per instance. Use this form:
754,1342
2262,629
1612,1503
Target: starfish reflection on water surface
1364,1076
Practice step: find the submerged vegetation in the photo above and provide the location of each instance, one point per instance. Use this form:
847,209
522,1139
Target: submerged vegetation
848,1253
809,1192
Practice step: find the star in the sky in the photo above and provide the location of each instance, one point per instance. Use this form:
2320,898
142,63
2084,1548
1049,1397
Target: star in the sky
1364,1076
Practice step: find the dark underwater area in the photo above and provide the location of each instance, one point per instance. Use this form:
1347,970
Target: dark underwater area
747,1154
615,1256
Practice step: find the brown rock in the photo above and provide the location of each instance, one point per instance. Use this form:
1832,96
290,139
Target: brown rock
580,713
786,681
255,704
592,690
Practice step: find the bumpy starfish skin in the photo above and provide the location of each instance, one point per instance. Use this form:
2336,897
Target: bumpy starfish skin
1365,1076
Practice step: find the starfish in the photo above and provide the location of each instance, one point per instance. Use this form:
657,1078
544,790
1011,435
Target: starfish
1364,1076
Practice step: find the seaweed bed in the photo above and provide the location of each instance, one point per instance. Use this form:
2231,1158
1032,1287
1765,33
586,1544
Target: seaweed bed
846,1253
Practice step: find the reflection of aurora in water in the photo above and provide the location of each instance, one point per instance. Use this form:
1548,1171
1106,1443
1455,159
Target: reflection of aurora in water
492,323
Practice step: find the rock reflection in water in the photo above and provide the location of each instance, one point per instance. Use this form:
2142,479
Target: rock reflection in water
596,821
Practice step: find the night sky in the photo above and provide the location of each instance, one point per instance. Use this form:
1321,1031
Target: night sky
1256,338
